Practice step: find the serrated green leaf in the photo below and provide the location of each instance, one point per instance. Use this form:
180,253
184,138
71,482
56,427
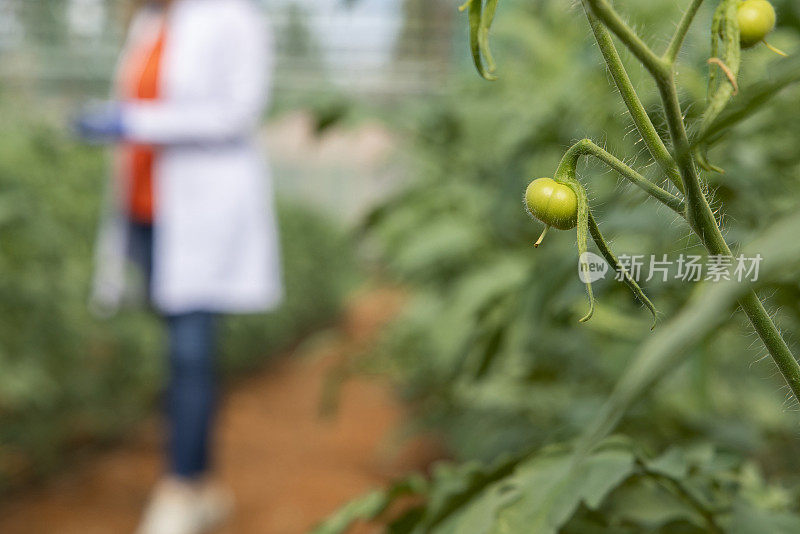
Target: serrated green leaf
454,489
370,506
676,462
550,488
648,505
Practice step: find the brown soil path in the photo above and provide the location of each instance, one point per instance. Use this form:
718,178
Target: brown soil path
288,467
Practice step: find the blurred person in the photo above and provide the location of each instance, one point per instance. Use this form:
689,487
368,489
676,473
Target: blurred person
191,206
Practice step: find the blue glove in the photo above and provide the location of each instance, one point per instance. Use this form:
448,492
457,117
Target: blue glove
101,124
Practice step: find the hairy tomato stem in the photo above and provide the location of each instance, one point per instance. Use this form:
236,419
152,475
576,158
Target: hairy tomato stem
704,224
675,45
586,147
654,64
655,145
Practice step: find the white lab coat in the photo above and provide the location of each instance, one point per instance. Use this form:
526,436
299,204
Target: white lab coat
215,237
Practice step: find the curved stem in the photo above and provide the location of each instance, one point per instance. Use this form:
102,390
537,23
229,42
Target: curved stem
641,119
684,493
680,34
566,175
586,147
654,64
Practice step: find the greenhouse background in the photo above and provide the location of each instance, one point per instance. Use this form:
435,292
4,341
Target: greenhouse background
375,48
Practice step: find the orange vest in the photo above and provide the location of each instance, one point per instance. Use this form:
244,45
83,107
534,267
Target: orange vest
141,74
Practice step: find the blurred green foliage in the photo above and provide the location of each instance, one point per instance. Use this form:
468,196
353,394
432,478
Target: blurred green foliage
616,490
490,349
68,379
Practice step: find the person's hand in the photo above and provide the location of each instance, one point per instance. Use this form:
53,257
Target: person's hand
100,124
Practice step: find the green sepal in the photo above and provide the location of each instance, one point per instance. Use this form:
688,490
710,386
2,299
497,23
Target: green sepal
783,73
716,28
605,250
568,179
725,28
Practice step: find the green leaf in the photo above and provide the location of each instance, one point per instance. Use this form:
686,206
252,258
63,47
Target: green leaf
487,18
647,504
479,24
551,488
479,515
371,505
676,462
455,487
540,495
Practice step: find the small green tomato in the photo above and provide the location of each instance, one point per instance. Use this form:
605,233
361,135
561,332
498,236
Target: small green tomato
756,20
552,203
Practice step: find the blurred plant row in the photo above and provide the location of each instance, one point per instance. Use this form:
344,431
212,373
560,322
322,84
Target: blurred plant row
490,350
67,379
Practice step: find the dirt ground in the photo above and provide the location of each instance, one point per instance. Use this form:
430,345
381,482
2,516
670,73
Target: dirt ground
287,466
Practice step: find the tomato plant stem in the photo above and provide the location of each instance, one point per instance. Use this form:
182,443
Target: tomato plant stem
654,64
704,224
586,147
772,339
675,45
641,119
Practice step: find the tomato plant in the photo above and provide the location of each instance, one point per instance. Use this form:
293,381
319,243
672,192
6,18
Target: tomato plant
510,298
690,199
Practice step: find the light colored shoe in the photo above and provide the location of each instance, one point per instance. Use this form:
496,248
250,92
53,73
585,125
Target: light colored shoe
215,505
179,507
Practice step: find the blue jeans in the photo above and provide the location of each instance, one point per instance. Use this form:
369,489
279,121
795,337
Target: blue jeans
191,388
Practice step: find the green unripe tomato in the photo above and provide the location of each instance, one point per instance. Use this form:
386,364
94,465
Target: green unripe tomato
756,20
552,203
